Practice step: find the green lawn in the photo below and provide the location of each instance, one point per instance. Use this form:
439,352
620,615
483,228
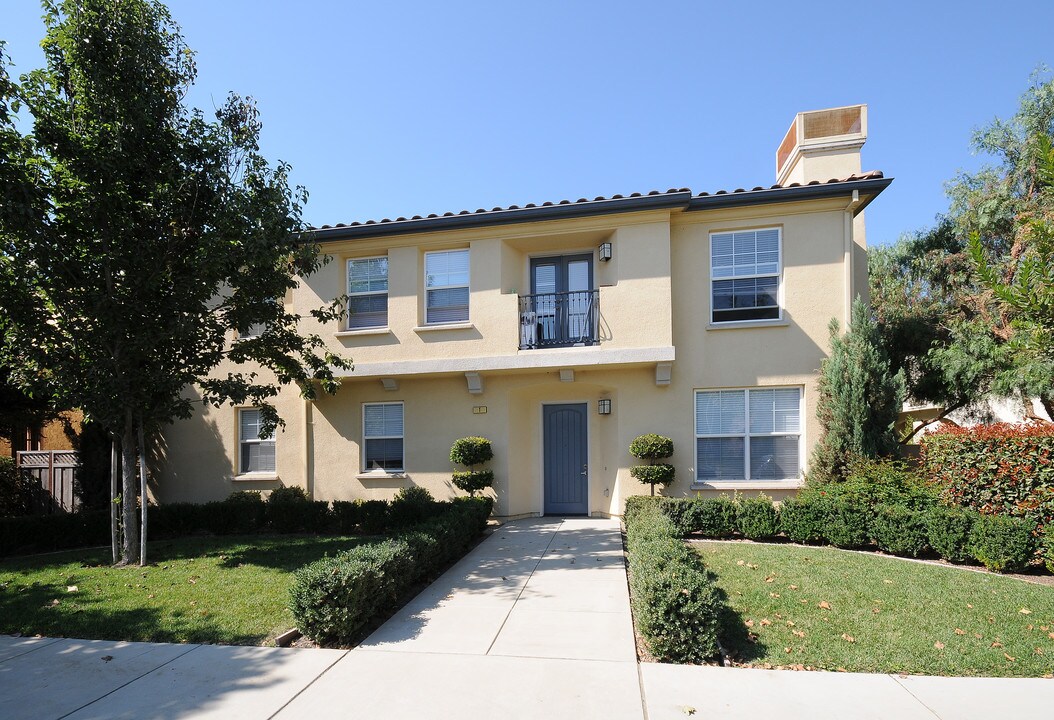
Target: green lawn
830,609
230,590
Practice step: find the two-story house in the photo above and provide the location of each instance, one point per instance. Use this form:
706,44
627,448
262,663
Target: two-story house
563,330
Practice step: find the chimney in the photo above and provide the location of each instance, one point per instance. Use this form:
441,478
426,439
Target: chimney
822,144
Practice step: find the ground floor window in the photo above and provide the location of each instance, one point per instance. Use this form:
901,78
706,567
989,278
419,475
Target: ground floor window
383,436
256,453
749,434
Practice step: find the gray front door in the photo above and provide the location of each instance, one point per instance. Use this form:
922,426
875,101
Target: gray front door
566,454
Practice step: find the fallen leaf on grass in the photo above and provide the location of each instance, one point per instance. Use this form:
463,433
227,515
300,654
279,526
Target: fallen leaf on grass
996,644
774,595
749,623
71,588
848,638
799,633
740,563
939,645
770,578
888,582
789,651
1025,611
876,611
1009,657
790,623
766,622
793,587
977,635
1039,651
960,631
824,605
752,566
969,605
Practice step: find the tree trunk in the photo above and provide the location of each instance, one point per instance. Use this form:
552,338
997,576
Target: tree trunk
114,530
142,492
1048,404
130,551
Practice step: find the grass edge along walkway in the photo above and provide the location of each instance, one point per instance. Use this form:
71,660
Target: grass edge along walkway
824,608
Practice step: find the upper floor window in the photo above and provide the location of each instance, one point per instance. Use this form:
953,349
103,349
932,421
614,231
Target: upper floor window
446,286
256,455
382,431
748,434
367,293
745,275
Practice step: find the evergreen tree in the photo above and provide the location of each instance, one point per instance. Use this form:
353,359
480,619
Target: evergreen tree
860,398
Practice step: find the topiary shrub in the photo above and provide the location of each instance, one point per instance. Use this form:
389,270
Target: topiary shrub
1003,544
846,524
757,518
948,530
674,600
712,517
802,521
652,447
472,451
900,530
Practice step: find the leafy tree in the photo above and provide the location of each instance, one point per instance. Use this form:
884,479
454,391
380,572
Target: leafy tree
139,235
860,398
943,321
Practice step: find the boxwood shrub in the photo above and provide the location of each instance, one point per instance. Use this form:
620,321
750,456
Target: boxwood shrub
675,602
948,531
900,530
46,533
757,518
712,517
1003,544
802,521
332,599
846,524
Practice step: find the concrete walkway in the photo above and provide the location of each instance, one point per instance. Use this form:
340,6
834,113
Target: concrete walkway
534,622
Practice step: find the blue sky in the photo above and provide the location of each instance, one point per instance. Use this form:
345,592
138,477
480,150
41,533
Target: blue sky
395,108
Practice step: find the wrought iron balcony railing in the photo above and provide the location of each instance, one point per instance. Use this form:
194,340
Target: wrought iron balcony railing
559,319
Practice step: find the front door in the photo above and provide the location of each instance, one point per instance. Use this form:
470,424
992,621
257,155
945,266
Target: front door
565,451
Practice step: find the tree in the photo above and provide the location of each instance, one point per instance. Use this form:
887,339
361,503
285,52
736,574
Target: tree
859,398
941,319
141,234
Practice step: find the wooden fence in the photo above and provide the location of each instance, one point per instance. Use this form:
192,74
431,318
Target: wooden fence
55,472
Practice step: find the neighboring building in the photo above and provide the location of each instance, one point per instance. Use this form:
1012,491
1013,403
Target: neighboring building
58,434
703,317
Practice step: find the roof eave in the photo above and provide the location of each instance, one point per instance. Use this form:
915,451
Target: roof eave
871,188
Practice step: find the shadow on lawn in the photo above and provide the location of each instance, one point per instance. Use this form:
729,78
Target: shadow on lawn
47,610
735,636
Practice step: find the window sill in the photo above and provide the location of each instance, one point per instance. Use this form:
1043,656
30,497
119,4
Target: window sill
444,326
401,475
747,485
256,477
743,324
363,331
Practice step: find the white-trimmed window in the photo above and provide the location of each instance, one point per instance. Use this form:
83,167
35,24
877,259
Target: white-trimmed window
753,434
256,455
367,293
745,275
382,431
446,287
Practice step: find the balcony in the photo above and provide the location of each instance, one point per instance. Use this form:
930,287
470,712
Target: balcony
563,319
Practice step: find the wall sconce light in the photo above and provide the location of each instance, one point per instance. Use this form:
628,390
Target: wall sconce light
604,406
605,252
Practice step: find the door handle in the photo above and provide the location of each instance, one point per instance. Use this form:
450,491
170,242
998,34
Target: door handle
585,469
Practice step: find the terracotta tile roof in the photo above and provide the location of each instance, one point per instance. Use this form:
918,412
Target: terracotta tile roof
533,211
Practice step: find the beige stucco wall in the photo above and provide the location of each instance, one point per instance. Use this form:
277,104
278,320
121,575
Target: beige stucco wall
654,293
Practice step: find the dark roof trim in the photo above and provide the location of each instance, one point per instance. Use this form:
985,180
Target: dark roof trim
872,187
505,217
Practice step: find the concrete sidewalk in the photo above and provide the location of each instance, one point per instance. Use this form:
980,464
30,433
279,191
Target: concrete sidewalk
534,622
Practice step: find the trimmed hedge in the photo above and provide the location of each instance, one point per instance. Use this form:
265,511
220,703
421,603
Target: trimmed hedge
899,530
999,469
47,533
1003,544
803,521
757,518
332,599
675,602
948,532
